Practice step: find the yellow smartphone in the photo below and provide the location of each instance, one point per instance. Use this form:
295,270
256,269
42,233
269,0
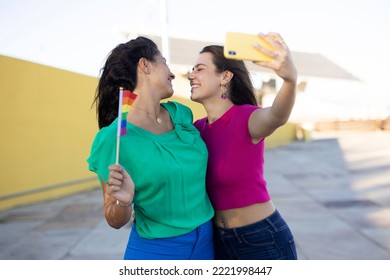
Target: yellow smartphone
240,46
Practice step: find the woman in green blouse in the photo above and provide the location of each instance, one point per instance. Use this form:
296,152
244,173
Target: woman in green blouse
162,159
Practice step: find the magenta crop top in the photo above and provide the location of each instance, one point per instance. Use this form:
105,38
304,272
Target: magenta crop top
235,165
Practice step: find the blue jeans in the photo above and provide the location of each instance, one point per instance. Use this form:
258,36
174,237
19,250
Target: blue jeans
195,245
268,239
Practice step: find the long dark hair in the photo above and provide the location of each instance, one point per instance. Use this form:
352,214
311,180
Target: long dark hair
240,89
120,70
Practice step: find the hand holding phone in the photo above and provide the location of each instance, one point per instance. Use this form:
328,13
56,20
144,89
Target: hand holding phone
241,46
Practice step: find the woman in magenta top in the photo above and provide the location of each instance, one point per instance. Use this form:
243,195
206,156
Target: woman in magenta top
247,224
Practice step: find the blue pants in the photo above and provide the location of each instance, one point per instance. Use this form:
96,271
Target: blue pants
268,239
195,245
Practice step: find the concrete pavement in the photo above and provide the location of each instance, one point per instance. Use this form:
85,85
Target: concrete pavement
333,191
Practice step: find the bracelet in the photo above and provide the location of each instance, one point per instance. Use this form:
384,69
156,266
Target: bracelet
121,205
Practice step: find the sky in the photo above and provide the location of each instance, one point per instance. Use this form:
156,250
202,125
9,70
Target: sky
77,35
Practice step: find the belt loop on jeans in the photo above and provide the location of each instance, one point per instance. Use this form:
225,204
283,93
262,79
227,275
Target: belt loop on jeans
270,222
198,230
237,236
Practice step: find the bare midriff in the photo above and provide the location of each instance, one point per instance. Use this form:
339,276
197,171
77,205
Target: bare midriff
239,217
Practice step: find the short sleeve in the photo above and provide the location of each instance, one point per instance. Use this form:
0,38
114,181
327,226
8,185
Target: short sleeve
179,112
102,153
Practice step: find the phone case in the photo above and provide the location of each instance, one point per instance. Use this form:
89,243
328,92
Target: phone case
240,46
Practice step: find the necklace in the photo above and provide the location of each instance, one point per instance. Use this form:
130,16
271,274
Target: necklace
158,119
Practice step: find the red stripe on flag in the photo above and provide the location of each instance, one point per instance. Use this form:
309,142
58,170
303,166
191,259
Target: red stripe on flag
127,100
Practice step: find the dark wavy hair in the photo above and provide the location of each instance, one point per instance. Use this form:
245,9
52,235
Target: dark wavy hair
240,89
120,70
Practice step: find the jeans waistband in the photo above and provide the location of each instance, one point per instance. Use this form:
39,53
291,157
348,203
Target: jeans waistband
271,221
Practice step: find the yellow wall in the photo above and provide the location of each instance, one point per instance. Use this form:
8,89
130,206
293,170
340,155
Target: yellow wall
282,136
47,126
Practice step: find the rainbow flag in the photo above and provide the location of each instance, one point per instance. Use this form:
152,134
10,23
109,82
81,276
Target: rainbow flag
126,99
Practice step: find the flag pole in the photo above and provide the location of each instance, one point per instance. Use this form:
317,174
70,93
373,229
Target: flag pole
118,136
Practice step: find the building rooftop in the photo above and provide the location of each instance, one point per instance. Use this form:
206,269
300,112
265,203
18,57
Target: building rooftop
185,52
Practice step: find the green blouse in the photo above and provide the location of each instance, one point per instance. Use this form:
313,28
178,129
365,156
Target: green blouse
168,170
